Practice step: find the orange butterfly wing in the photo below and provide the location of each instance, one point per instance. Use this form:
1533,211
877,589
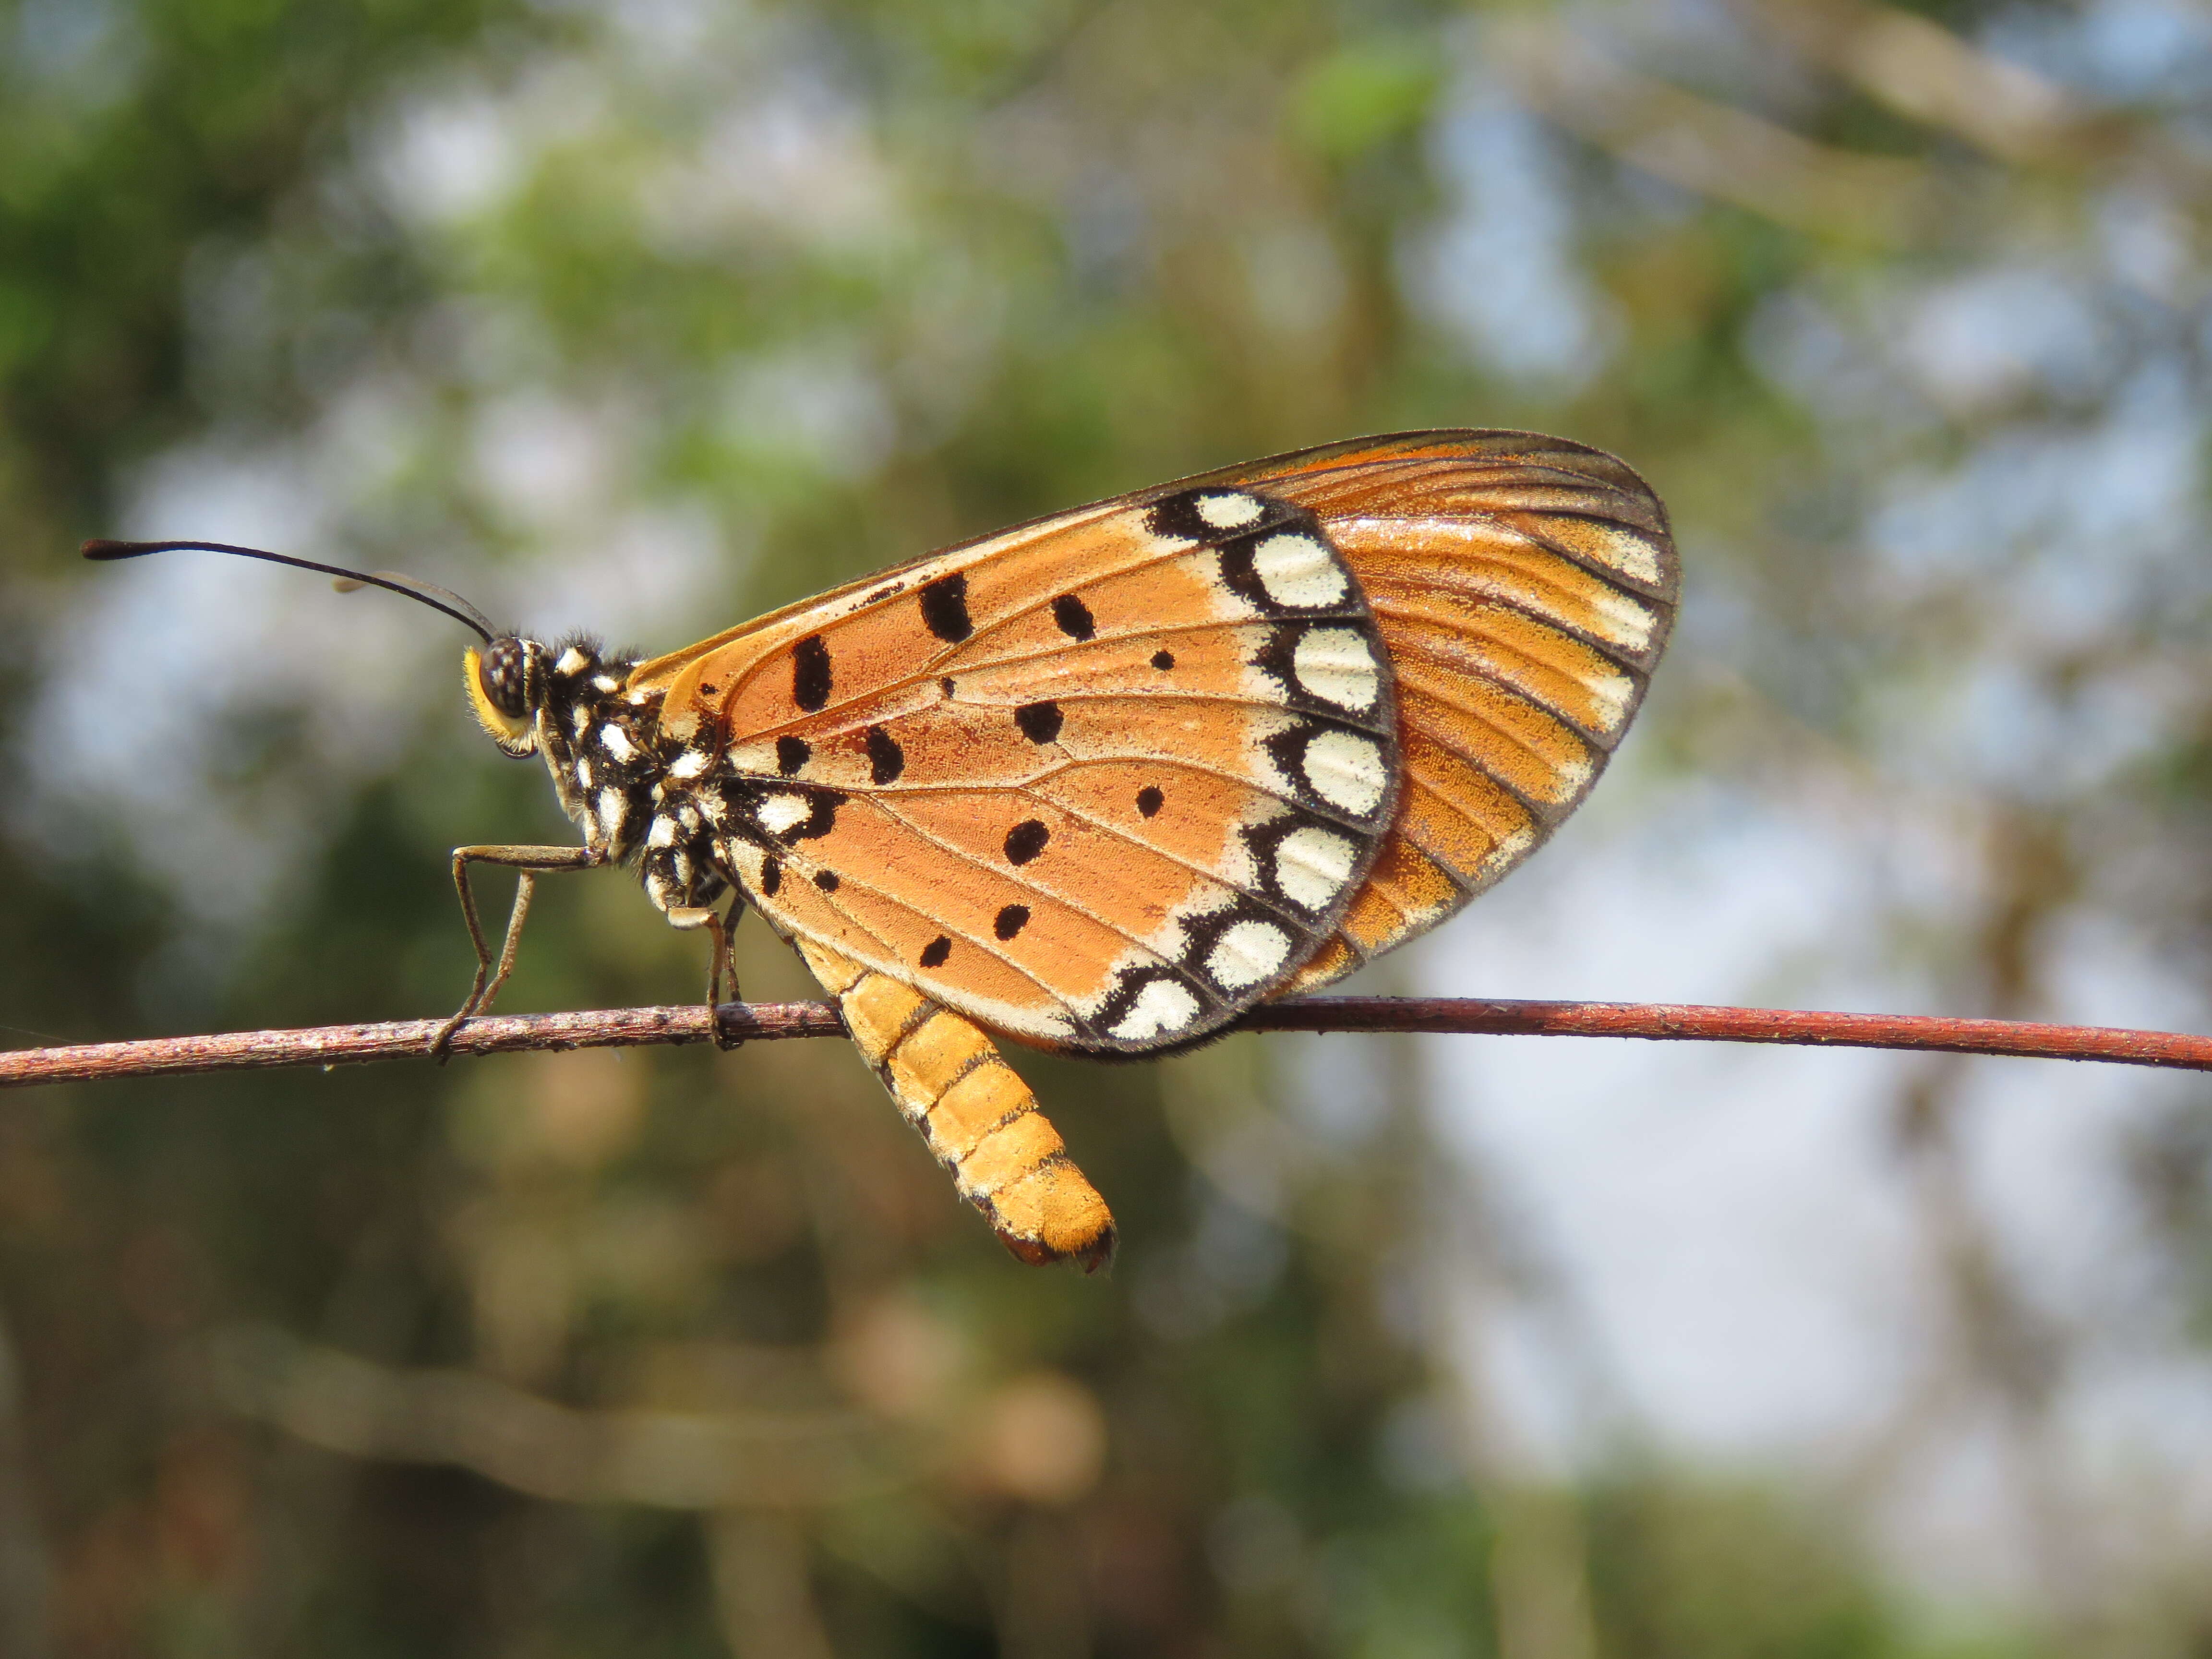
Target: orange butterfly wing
1101,782
1105,779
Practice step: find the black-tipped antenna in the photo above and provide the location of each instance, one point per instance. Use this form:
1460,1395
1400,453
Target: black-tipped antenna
451,603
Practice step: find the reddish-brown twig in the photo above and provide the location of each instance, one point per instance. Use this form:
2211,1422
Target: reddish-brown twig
615,1028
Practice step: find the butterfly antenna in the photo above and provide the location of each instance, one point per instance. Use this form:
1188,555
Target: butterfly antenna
390,581
429,593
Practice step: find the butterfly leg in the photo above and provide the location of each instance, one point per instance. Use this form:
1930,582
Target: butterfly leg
723,959
530,862
974,1112
726,958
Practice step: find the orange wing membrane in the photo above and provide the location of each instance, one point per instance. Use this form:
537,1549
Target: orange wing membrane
1100,784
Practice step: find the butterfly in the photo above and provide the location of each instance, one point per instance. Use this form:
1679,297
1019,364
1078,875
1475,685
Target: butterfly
1101,782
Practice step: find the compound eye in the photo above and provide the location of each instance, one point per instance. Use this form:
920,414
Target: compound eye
504,674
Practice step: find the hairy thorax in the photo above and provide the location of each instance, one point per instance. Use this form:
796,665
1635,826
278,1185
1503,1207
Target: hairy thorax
629,788
695,822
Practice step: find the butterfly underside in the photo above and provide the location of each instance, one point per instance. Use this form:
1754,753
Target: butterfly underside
1104,781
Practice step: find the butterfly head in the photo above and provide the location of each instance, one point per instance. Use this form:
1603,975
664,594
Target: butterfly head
506,682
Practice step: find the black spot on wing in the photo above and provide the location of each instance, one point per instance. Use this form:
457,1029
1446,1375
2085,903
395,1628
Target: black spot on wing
1150,800
791,754
1026,840
1011,921
771,876
1163,660
935,953
1073,616
810,673
945,608
1040,721
821,817
886,760
826,880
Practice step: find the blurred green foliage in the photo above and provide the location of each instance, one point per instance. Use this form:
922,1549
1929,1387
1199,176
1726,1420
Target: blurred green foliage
675,1353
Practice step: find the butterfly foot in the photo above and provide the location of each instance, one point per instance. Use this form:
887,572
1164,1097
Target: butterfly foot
441,1045
717,1022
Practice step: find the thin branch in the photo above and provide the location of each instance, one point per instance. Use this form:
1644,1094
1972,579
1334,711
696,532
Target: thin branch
737,1022
668,1459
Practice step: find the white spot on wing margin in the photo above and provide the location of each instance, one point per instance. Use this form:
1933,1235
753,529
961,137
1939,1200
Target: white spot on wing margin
1336,665
1228,512
1248,952
1346,770
1297,570
1312,864
1160,1007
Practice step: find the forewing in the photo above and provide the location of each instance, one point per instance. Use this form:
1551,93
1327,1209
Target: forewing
1101,782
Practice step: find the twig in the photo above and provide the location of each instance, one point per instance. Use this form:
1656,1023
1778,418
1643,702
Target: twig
622,1028
664,1458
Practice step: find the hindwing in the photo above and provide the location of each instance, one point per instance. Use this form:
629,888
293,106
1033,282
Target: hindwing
1525,586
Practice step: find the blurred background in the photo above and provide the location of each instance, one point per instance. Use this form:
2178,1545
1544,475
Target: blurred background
646,316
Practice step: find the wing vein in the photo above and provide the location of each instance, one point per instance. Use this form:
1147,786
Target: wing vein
903,971
1319,807
967,857
1548,812
1601,738
1635,663
1304,929
1151,630
1468,884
